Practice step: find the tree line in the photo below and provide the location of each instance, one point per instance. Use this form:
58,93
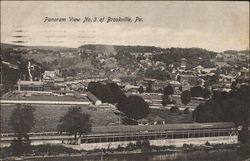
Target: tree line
22,120
233,106
132,106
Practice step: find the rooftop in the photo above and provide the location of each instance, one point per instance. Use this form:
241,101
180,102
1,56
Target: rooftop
138,128
30,83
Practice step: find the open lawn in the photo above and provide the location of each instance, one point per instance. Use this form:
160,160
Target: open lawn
172,118
48,116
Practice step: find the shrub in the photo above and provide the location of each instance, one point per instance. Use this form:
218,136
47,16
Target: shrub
207,144
186,111
18,147
185,146
134,107
198,91
131,146
185,97
174,109
143,144
169,90
166,99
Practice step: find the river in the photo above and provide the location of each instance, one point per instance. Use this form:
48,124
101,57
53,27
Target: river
212,155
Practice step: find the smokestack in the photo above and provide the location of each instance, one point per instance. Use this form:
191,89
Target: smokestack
18,85
29,65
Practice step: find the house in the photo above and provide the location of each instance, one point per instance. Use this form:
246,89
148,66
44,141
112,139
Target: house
244,73
30,85
79,86
183,64
59,79
60,86
175,84
221,65
199,68
209,70
158,85
190,78
49,76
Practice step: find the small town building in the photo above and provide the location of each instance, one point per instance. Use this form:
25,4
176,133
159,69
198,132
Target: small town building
183,64
244,74
222,65
49,76
30,86
79,86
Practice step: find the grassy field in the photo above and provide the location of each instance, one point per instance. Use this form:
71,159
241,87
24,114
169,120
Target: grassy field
48,116
172,118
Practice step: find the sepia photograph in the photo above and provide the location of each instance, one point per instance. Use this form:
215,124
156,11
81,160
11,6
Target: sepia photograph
125,81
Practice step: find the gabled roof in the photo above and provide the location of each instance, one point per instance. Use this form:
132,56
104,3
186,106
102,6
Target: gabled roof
38,83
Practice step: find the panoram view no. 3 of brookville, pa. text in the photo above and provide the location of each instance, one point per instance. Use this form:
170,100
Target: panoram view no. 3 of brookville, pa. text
125,81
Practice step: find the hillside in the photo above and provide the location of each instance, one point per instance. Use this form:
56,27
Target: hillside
93,59
120,48
51,48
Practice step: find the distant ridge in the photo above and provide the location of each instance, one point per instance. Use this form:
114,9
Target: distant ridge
110,48
54,48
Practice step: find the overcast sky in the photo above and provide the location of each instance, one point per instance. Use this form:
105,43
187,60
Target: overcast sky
214,26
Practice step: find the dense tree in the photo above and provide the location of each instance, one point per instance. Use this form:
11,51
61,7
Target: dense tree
9,75
227,107
101,91
149,87
75,122
117,93
134,107
207,112
174,109
178,78
21,120
233,85
166,99
185,97
186,111
157,74
141,89
18,147
198,91
174,55
169,90
110,93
